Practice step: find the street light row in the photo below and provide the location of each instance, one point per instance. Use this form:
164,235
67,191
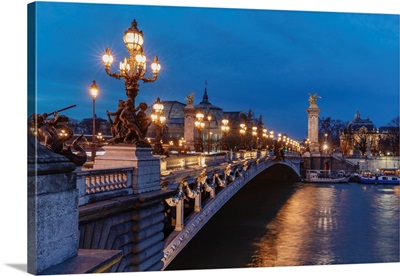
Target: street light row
132,70
158,118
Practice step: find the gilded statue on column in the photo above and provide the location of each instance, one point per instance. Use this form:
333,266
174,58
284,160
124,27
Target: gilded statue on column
313,99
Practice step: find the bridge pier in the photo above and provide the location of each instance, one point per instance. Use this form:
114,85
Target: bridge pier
326,162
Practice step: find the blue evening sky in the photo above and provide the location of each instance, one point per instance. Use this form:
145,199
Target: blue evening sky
264,60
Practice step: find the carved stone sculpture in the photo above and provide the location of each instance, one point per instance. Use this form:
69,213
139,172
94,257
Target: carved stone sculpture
130,124
54,136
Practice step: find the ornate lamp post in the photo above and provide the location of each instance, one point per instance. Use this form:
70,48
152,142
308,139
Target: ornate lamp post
158,119
209,118
271,137
265,136
254,132
199,124
284,142
278,144
225,129
325,145
242,132
132,69
94,90
99,137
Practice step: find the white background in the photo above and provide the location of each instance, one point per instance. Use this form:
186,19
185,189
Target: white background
13,52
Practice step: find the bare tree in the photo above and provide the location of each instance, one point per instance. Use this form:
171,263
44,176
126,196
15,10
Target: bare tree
389,138
361,140
332,128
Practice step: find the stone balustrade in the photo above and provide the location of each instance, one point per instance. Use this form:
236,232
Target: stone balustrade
174,163
102,184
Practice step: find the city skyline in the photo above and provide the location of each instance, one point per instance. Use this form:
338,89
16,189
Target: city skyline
264,60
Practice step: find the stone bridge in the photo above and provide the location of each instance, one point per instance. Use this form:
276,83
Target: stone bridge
102,221
202,196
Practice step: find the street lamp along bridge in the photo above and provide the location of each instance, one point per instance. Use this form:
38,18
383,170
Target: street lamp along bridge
133,128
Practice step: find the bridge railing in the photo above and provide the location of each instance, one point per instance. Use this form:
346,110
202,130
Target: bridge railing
102,184
173,163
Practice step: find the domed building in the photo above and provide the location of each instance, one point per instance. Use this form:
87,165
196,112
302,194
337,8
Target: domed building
363,125
213,116
360,137
173,127
173,111
209,109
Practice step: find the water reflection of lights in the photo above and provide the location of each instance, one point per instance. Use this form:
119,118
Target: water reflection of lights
385,201
308,215
332,225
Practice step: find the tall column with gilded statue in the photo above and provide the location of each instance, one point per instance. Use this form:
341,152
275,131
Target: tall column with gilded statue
313,116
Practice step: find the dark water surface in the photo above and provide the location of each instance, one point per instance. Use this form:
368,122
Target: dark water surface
270,224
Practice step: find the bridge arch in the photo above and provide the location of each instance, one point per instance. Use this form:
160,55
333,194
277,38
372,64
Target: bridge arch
266,167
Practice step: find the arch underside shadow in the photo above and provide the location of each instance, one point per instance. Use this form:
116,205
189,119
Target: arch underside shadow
280,171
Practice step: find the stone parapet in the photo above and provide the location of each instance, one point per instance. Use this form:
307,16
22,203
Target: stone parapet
146,173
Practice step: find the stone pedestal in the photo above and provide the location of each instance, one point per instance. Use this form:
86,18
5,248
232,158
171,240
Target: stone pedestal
52,208
189,127
313,116
146,173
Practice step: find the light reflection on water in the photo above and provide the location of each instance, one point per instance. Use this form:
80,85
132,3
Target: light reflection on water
327,224
294,224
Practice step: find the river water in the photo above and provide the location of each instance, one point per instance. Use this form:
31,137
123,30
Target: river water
296,224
